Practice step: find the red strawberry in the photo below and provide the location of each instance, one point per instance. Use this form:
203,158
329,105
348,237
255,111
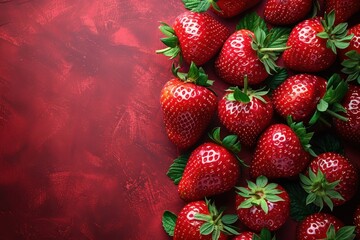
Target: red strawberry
350,130
196,37
350,56
298,96
264,235
212,168
246,113
323,226
331,179
281,151
286,12
224,8
188,106
262,205
344,9
250,53
313,44
202,221
357,221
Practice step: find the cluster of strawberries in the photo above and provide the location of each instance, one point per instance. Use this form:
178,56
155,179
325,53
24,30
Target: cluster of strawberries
268,108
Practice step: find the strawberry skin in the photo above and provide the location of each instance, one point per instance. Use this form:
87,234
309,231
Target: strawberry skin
246,120
286,12
237,59
187,227
298,96
211,169
344,9
335,167
231,8
200,36
244,236
279,153
188,110
315,226
308,52
357,221
254,216
350,130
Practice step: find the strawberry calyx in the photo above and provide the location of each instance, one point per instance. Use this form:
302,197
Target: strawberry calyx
246,94
336,89
194,75
304,136
344,233
201,5
352,66
336,35
259,194
229,142
176,169
216,222
171,41
265,234
269,46
319,190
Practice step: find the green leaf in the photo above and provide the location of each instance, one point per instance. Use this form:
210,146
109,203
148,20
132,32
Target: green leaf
330,233
241,96
251,21
230,229
202,217
324,35
341,45
264,206
298,207
346,233
246,204
328,202
197,5
322,105
215,234
168,222
278,37
206,228
261,181
176,169
229,218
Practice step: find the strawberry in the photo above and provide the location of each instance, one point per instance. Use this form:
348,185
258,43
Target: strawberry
313,44
195,37
251,51
262,205
298,96
357,221
199,220
188,106
350,130
282,151
344,9
265,234
211,169
331,178
223,8
286,12
245,112
350,56
323,226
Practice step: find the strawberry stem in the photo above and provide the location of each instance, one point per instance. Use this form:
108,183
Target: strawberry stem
336,115
273,49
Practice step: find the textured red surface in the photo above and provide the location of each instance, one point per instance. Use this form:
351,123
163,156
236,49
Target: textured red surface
83,150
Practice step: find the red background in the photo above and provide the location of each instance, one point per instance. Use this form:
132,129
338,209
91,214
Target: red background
83,150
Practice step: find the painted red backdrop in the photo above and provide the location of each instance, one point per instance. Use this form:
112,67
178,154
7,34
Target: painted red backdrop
83,150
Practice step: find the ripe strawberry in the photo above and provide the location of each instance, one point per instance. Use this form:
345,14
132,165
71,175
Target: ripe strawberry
350,130
245,112
195,37
212,168
350,56
331,179
265,234
223,8
344,9
250,52
357,221
313,44
323,226
199,220
286,12
298,96
188,106
282,151
262,205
